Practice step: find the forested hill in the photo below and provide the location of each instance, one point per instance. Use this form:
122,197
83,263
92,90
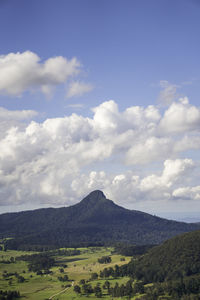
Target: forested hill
176,258
94,220
167,271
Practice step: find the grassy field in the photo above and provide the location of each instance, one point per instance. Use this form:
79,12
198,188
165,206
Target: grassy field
41,287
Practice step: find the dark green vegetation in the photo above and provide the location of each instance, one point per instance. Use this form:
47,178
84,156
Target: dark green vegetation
38,262
132,250
105,260
9,295
168,271
173,268
94,221
176,258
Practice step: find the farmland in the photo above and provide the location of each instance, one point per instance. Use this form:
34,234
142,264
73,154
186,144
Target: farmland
48,286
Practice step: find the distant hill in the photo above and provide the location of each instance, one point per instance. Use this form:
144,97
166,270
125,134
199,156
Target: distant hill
93,221
176,258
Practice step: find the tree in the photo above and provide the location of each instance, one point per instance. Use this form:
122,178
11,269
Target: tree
116,290
20,279
106,285
12,260
77,289
39,272
87,289
105,260
64,278
82,281
116,271
129,289
138,287
97,291
94,276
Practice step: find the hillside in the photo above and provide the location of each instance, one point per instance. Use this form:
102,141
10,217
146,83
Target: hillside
94,220
176,258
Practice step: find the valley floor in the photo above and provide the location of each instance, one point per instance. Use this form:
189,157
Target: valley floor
42,287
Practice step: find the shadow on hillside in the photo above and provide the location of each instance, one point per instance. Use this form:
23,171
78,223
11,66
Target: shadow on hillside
68,260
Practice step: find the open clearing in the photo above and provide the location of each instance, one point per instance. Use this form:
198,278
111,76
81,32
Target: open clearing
42,287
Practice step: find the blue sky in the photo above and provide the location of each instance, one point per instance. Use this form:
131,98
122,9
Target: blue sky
126,47
138,53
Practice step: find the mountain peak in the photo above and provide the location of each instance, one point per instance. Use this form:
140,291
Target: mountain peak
97,194
94,197
94,220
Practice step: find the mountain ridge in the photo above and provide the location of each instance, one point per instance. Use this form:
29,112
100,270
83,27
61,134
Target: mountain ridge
94,220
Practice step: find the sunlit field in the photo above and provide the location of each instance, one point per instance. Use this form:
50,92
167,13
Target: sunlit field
48,286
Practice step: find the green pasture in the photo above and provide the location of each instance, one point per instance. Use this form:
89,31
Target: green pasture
41,287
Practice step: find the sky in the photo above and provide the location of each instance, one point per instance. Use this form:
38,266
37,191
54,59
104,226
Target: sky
100,95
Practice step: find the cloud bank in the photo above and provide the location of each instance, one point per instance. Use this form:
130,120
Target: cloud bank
60,160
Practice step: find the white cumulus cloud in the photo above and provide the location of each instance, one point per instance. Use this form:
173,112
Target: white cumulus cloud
187,193
173,171
25,71
180,117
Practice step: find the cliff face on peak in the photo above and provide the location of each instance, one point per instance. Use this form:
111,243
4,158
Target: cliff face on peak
94,198
97,195
94,220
